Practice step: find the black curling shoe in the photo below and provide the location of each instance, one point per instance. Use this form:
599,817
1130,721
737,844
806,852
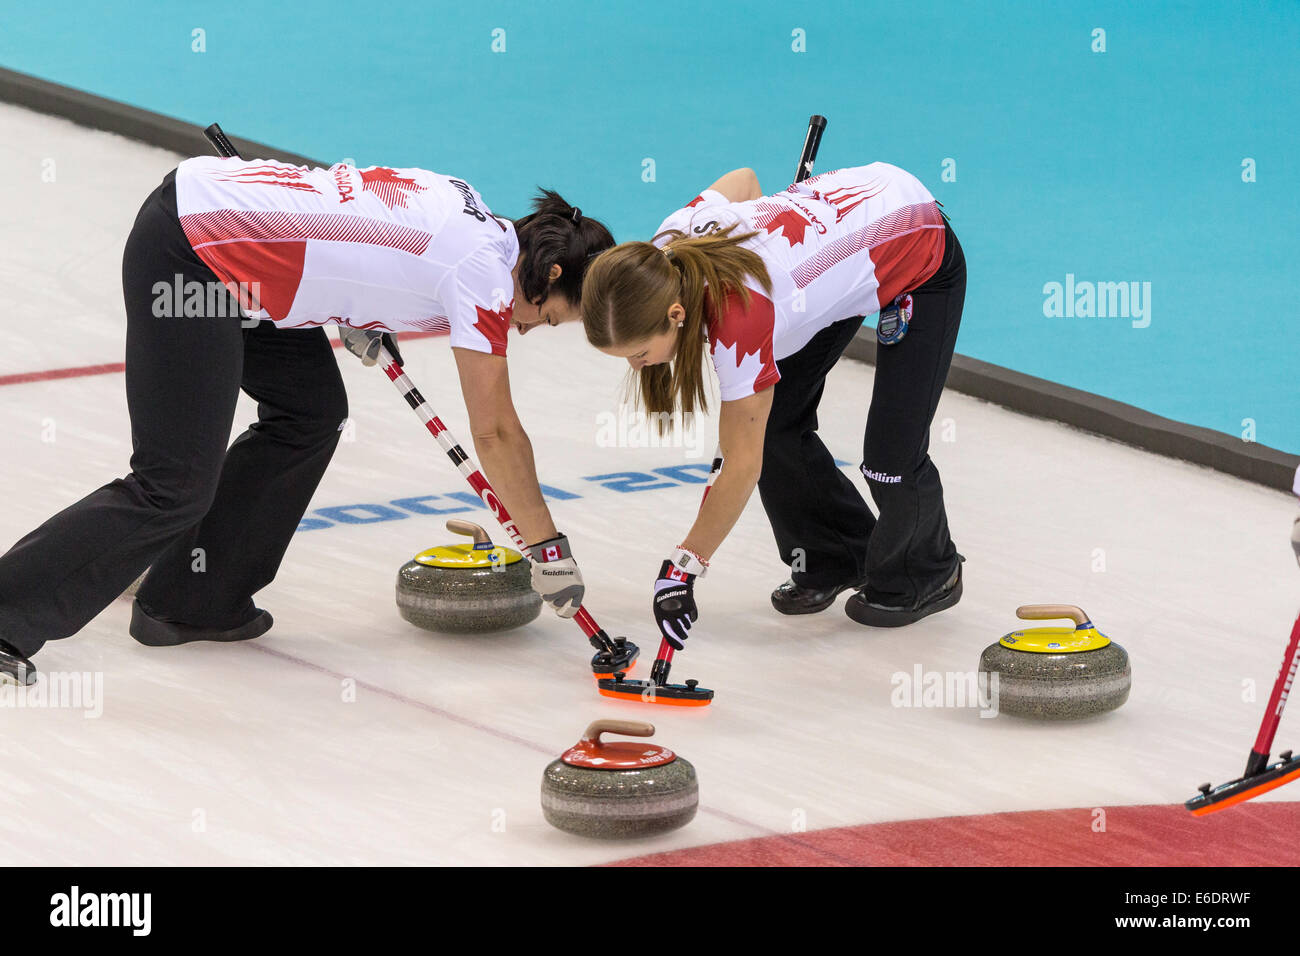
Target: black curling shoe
791,598
15,667
880,615
152,629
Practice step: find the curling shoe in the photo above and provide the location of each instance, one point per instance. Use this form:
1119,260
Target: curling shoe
153,629
881,615
791,598
15,667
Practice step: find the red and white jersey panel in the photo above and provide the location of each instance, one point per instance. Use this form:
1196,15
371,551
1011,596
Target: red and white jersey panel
375,248
836,245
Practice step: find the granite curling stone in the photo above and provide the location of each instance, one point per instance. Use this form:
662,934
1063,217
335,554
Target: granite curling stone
1056,673
467,588
622,790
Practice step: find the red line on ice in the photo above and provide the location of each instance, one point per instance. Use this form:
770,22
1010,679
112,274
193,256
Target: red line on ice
24,377
81,371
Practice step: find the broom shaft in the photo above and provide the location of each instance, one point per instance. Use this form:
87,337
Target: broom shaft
465,465
1276,702
812,143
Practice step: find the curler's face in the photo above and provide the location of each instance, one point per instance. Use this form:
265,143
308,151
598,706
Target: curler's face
658,349
555,310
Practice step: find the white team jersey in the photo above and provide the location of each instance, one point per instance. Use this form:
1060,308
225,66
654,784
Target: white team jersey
376,248
836,246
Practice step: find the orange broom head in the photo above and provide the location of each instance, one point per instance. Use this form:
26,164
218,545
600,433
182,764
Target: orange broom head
639,698
1244,788
645,692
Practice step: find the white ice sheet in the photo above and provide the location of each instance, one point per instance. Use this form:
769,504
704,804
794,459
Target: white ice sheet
252,753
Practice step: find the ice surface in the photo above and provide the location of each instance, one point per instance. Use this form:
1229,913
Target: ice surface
256,753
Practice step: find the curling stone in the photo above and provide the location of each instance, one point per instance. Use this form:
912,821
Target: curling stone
1057,673
619,790
467,588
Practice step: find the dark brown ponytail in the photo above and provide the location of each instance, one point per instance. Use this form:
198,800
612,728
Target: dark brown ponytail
557,233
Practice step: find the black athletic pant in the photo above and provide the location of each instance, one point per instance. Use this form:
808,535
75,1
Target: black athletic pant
824,530
212,523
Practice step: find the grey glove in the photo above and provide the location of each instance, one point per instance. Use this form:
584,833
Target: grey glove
1295,539
365,343
556,576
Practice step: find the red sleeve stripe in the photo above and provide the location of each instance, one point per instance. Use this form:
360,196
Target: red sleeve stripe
433,324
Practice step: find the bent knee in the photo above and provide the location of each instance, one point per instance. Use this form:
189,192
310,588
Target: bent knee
328,413
317,418
181,499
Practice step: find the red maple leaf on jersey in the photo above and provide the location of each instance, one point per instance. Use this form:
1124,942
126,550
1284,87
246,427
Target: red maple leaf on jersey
388,186
696,201
494,326
790,224
747,330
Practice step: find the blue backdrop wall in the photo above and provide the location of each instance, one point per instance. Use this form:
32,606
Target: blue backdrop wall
1149,144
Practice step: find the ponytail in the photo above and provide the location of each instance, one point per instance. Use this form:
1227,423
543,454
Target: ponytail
555,233
631,287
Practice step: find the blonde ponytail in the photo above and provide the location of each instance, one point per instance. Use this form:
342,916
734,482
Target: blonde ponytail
629,289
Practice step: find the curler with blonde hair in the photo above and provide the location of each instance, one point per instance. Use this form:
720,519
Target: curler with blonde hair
629,289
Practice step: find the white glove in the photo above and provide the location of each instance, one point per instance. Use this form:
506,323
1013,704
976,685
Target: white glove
365,343
556,576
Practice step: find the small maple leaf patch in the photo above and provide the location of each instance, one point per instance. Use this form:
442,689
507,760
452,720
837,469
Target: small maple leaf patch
790,224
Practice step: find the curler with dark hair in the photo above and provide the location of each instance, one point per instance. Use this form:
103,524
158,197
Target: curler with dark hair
555,233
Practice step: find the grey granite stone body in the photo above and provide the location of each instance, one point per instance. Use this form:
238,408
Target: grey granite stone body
1058,686
619,804
467,600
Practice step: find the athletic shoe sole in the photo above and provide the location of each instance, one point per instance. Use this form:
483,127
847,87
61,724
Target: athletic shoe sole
820,606
858,609
155,633
16,669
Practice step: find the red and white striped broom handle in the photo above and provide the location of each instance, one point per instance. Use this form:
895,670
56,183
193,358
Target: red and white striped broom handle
465,465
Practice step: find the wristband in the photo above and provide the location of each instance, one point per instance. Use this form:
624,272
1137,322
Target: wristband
686,560
553,549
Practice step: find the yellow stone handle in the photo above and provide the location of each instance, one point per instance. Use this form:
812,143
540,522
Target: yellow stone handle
628,728
1050,612
457,526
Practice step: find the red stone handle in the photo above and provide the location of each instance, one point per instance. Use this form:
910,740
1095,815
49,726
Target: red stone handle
628,728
